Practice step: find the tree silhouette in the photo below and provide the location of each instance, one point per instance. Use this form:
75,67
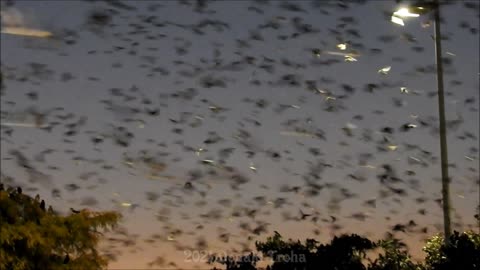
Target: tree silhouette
246,262
33,237
461,252
344,252
394,257
349,252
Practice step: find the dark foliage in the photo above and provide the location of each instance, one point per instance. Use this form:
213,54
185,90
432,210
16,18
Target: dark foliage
349,252
35,238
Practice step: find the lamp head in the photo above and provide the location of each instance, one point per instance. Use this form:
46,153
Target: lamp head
415,10
406,12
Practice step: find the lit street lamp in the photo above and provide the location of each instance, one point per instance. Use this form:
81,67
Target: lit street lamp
416,11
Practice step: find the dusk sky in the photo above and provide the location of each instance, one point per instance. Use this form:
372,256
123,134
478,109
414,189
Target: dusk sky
219,121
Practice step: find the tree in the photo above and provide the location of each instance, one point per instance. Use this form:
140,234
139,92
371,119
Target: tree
461,252
343,253
349,252
287,254
33,237
394,257
246,262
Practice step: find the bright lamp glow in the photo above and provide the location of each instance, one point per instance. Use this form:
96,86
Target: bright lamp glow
397,20
404,12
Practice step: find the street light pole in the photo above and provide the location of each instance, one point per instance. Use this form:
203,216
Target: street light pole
443,130
396,18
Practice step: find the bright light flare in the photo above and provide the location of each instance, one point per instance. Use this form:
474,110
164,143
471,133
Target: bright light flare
342,46
21,31
404,13
397,20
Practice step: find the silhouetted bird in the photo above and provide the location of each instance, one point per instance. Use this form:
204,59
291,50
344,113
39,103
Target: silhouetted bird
303,215
74,211
42,205
67,259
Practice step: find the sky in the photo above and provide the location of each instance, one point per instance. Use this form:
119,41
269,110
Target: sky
211,126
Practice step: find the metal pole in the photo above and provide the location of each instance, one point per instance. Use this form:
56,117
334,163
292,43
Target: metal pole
443,131
478,207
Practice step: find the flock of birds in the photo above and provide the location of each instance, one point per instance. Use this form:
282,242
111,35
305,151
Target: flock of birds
139,115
